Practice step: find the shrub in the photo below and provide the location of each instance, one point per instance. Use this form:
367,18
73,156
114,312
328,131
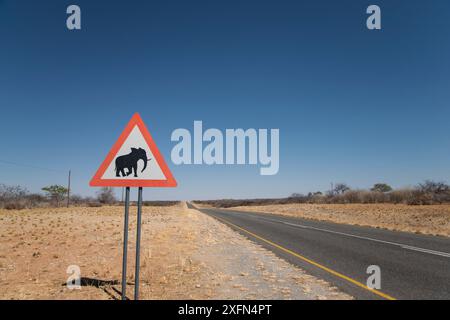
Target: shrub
400,196
12,192
432,187
430,192
426,193
106,195
16,198
77,199
34,200
94,204
350,196
15,206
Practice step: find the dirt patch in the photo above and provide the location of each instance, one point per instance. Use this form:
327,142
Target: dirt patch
184,255
430,219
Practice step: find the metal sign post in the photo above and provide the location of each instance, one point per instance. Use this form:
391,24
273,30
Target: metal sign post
138,244
120,169
125,244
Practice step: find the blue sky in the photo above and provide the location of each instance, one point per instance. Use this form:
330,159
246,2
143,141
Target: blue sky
352,105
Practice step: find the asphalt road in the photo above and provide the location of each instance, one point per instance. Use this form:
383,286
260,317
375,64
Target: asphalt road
411,266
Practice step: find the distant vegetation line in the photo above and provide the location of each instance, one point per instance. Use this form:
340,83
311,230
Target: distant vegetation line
17,198
425,193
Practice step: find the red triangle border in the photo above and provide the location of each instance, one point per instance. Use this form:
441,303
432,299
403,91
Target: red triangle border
97,180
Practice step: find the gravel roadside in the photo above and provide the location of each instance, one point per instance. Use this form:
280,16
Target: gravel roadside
184,255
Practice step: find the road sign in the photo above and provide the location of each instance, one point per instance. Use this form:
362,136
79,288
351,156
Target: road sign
134,161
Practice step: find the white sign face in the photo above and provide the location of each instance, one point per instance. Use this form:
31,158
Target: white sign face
134,161
134,154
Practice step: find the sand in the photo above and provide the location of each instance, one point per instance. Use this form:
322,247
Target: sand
184,255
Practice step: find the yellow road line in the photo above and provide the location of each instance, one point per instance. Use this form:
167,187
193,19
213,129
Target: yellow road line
318,265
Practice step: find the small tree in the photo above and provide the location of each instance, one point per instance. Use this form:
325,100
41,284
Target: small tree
296,195
56,193
106,195
433,187
341,188
381,187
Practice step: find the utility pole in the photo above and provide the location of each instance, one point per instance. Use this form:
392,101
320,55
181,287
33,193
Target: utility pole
68,191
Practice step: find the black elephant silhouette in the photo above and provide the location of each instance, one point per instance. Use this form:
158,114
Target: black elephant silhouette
130,162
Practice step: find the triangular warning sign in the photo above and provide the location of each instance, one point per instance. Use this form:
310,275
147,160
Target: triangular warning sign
134,161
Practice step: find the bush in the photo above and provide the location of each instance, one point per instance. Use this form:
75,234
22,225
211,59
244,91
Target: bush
94,204
8,193
15,197
15,206
432,187
400,196
77,199
106,196
426,193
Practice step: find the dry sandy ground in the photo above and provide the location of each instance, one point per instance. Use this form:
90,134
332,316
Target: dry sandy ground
184,255
432,219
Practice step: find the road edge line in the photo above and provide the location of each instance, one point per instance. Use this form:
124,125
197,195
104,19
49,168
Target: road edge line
316,264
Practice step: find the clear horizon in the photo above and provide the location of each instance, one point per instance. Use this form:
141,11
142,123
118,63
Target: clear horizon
352,105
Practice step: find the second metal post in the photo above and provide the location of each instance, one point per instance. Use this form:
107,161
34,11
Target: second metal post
125,245
138,245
